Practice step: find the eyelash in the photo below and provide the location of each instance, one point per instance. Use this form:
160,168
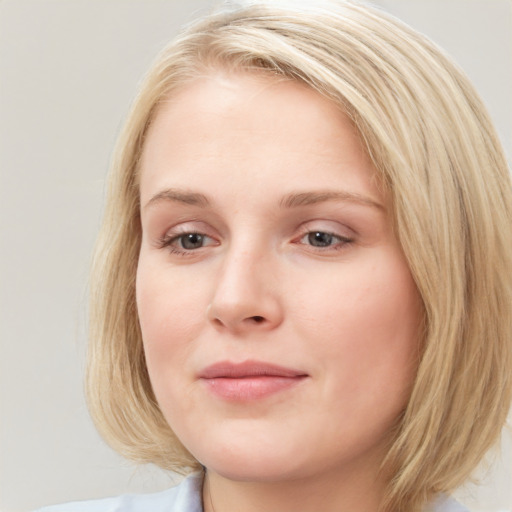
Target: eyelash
168,241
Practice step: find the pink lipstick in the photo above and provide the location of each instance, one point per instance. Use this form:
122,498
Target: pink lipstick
250,380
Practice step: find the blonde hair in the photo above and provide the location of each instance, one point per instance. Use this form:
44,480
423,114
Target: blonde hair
439,158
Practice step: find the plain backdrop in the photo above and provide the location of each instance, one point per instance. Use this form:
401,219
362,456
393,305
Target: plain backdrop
68,71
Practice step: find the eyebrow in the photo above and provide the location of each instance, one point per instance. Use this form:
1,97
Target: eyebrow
179,196
309,198
293,200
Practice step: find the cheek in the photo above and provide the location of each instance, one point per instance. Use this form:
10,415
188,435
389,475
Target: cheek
170,316
366,323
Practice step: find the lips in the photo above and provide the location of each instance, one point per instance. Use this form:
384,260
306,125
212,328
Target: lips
250,380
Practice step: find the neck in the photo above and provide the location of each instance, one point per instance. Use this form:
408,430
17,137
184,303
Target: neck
333,492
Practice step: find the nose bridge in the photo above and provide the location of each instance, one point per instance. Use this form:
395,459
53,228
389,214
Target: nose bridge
245,294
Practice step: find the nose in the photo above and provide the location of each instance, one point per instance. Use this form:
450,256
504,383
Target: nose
246,296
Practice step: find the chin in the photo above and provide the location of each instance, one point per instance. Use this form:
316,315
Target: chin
252,461
264,469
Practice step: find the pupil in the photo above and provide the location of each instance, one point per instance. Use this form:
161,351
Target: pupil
319,239
192,241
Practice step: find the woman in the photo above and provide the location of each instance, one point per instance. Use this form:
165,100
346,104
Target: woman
301,290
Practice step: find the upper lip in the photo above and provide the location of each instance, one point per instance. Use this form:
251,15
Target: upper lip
232,370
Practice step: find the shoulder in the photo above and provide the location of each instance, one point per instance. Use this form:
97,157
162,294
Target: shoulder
446,504
186,497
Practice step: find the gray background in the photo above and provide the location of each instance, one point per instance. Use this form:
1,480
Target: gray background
68,71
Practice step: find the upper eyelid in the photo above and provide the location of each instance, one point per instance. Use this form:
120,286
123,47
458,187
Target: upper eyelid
330,233
197,225
341,229
190,226
204,228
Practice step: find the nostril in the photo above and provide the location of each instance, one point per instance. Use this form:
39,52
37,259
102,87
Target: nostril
258,319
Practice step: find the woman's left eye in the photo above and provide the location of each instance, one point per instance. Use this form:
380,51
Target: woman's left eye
324,239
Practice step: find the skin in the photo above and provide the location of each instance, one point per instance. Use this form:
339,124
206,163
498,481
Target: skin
259,286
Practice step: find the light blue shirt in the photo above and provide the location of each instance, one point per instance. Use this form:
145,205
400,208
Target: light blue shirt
186,497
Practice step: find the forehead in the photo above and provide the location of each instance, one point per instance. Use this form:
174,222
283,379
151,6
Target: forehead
226,125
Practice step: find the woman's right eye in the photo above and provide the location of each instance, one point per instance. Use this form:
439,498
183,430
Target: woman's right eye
186,242
190,241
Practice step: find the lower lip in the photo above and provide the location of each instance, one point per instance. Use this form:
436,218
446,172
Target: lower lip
250,388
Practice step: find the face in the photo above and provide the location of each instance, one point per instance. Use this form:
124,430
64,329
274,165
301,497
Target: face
279,317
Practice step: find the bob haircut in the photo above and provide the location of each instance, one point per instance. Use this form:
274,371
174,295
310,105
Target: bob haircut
439,159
